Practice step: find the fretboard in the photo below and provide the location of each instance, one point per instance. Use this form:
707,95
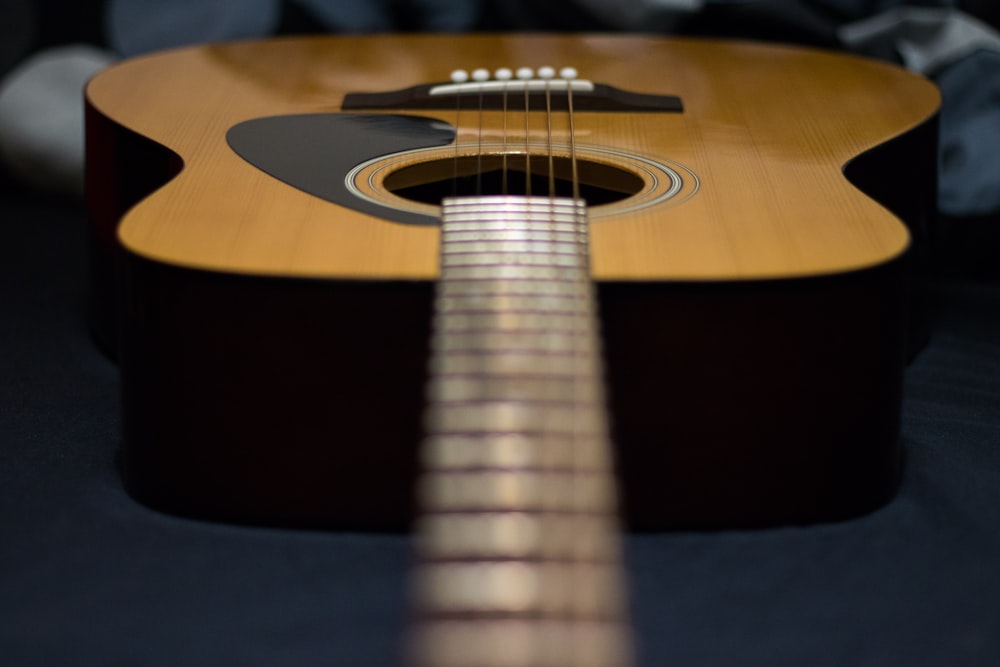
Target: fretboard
518,556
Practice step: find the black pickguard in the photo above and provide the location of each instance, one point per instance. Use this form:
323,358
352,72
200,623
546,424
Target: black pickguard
314,152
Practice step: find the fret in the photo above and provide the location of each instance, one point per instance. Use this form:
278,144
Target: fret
553,363
533,246
557,303
516,490
517,643
477,234
501,272
569,590
510,260
495,321
518,540
520,287
506,417
518,535
518,210
501,222
513,388
520,341
514,450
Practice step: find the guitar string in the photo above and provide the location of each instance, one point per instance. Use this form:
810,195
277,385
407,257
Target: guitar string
479,147
457,76
579,338
527,142
575,178
503,168
548,136
458,126
567,74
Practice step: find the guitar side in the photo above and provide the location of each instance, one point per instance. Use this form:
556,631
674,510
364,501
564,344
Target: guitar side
742,393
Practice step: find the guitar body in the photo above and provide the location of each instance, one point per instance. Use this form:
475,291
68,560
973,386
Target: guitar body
752,263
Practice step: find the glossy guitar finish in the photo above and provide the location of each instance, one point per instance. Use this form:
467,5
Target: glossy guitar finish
273,344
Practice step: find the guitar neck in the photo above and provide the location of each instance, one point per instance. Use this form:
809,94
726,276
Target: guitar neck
518,559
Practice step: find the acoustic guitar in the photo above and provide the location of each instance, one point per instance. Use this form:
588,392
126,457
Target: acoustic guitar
268,238
311,255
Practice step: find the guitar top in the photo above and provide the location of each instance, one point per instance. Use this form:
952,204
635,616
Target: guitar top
755,157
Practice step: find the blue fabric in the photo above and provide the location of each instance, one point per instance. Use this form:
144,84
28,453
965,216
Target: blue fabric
139,26
970,136
377,15
859,9
351,15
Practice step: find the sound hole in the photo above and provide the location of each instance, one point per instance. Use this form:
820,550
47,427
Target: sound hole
430,182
